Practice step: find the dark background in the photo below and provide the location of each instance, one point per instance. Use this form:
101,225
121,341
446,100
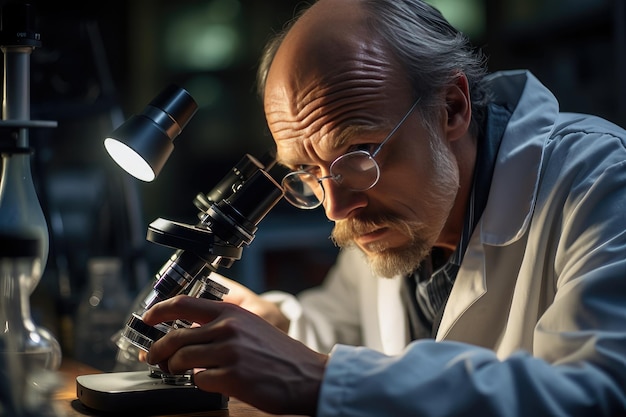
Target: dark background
101,62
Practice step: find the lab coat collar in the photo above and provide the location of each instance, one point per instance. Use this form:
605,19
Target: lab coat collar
518,164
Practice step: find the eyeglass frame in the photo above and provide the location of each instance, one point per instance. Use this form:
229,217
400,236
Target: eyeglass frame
371,155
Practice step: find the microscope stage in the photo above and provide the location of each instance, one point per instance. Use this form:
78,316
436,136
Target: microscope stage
138,393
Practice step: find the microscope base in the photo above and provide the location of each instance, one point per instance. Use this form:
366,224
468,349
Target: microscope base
137,393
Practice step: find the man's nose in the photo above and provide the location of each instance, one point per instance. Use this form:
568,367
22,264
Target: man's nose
340,202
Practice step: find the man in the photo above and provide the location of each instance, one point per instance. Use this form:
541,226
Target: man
505,218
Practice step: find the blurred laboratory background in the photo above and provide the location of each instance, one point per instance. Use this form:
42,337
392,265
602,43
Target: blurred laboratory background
103,61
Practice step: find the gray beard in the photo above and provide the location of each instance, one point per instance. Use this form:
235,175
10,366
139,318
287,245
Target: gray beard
388,263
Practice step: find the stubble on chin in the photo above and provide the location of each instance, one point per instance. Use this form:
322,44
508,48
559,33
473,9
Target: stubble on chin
385,261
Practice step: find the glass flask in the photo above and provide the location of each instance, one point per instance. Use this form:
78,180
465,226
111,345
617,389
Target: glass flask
20,211
35,346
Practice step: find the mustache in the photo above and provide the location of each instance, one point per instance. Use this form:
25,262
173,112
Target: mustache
345,231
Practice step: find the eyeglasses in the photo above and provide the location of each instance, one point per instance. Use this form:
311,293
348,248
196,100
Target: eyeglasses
356,171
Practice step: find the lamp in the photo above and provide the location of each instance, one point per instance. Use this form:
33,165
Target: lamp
142,144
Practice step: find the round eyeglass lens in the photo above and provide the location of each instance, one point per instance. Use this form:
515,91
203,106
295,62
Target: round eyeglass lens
357,170
303,189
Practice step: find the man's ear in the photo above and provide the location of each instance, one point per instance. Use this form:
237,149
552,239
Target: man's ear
458,108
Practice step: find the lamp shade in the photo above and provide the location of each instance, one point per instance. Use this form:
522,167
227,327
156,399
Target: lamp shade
142,144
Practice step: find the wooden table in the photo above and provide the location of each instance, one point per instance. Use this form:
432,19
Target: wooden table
68,405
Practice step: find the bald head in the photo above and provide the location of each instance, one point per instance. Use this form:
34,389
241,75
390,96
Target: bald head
329,60
357,45
329,36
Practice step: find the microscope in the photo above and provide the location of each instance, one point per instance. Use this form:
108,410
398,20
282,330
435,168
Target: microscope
228,218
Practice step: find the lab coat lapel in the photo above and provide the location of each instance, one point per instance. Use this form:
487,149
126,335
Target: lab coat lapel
469,286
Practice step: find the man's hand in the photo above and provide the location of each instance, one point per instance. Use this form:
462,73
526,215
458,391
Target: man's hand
239,354
248,299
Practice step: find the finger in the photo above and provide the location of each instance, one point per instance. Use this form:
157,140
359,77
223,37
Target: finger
199,357
221,279
175,340
183,307
213,380
237,293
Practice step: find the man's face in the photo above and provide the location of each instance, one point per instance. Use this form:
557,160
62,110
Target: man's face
337,92
396,222
397,237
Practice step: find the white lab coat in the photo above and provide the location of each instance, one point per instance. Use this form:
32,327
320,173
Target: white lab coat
536,321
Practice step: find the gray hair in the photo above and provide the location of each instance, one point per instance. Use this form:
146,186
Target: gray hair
431,50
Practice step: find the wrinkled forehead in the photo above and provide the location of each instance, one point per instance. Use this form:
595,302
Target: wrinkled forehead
328,75
323,97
